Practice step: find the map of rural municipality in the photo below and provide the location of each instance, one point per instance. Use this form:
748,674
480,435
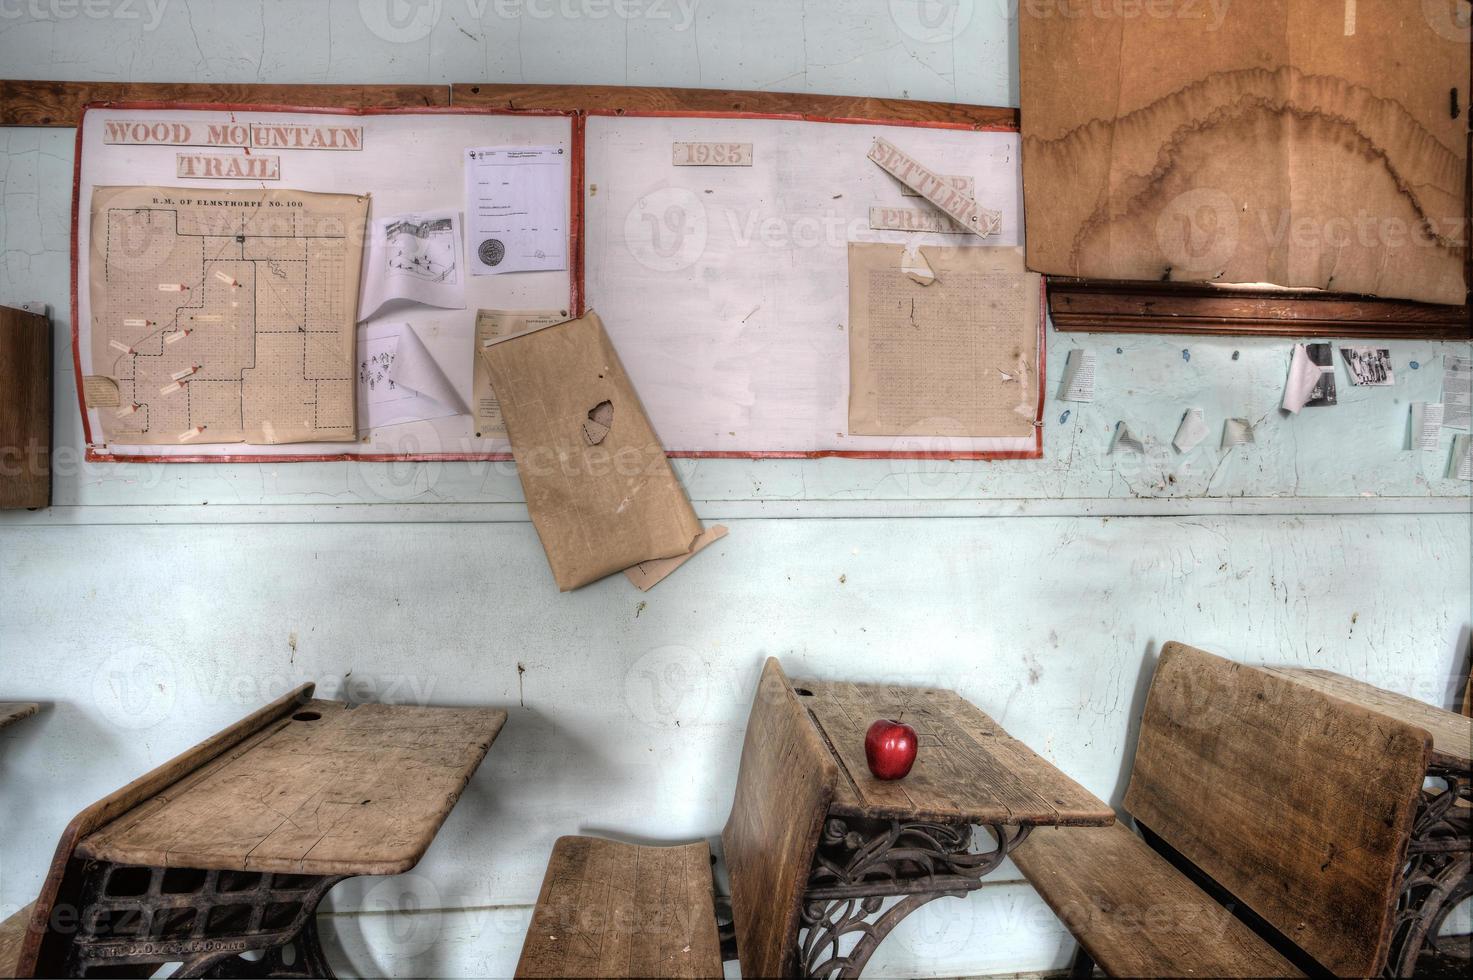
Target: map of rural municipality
224,315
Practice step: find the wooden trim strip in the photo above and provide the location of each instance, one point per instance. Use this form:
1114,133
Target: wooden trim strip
621,100
52,103
1186,308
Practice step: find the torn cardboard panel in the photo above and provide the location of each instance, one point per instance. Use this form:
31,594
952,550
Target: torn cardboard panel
1256,141
598,508
493,326
954,357
648,574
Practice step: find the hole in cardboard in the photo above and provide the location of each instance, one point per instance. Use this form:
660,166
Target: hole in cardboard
600,420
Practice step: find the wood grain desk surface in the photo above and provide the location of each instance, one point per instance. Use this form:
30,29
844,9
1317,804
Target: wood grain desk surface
967,769
327,789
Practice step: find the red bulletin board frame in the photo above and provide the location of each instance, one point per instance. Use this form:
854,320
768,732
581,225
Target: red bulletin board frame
578,119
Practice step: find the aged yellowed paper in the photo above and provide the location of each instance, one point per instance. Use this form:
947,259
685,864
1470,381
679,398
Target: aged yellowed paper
953,356
225,315
492,325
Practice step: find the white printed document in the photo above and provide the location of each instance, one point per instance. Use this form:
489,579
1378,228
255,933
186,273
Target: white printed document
516,207
413,258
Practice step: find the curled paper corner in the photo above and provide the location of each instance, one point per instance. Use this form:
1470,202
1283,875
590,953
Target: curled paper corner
1125,440
1190,432
1236,432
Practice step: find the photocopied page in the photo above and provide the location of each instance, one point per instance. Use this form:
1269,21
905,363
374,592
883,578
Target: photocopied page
413,258
516,209
398,380
955,356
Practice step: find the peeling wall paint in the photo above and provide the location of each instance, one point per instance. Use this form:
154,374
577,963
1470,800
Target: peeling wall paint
154,604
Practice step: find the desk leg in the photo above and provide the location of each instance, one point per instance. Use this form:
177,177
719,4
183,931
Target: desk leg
1438,876
861,865
139,917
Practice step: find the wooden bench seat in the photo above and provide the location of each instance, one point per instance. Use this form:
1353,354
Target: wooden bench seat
1147,921
1295,803
611,909
620,910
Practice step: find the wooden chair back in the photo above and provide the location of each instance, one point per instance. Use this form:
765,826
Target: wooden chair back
783,793
1297,803
43,951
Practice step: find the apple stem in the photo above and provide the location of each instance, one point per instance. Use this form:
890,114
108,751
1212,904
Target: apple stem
900,717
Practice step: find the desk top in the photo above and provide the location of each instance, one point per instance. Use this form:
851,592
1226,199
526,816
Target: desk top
967,768
1452,734
328,789
13,711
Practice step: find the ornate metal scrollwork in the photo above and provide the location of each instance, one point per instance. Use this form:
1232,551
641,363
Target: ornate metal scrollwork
1438,874
861,864
211,923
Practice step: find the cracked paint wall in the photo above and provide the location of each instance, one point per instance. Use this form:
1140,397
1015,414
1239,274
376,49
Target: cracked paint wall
154,604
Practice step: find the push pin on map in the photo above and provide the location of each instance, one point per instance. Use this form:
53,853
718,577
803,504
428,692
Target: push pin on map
225,278
177,335
119,345
127,410
173,287
137,323
191,432
172,387
181,375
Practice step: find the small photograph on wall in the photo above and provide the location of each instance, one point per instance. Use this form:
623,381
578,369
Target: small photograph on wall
1368,365
1323,355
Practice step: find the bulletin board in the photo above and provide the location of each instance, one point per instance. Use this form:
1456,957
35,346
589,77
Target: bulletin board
723,288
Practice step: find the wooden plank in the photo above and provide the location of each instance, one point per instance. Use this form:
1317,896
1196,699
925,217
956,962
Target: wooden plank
55,103
784,788
43,952
1299,804
1452,734
1135,914
694,101
333,789
13,711
967,769
610,909
25,409
1112,306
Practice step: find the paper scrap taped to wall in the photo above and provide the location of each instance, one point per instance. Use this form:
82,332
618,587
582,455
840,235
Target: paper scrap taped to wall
956,356
602,508
1191,431
1426,426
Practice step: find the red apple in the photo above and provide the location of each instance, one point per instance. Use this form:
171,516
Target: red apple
890,748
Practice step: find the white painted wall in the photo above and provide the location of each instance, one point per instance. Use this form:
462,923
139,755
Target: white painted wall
152,605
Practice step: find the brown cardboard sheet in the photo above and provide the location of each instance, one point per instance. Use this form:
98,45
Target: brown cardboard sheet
1304,143
600,491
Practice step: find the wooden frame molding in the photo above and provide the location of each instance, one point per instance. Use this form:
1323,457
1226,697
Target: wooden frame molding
618,99
43,103
1114,306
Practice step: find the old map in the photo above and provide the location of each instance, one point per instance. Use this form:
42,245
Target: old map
224,315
